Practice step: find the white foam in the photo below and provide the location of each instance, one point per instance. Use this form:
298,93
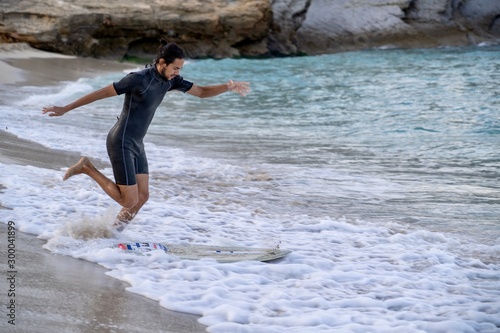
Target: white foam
341,276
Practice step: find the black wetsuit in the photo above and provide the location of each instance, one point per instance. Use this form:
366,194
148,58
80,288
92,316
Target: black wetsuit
144,90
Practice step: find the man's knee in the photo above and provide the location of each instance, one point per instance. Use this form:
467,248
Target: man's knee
143,197
130,201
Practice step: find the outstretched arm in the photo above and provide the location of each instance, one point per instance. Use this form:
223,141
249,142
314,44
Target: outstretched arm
241,88
105,92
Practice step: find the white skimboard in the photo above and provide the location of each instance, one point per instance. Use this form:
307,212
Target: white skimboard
198,251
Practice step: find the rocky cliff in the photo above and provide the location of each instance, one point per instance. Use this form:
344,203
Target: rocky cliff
225,28
216,28
316,26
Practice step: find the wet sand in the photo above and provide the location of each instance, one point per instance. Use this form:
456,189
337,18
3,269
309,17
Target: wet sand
55,293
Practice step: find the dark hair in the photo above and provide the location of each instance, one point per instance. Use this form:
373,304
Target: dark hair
169,52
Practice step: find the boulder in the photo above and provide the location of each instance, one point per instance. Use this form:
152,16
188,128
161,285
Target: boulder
325,26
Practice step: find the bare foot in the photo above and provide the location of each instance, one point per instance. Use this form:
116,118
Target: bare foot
122,220
119,226
78,168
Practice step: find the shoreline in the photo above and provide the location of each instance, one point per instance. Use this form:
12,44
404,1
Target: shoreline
21,64
57,293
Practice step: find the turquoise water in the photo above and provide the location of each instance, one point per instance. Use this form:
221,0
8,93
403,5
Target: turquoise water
388,135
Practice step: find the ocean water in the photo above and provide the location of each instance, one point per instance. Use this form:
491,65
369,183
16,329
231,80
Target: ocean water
380,170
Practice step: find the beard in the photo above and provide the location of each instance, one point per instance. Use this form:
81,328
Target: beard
163,73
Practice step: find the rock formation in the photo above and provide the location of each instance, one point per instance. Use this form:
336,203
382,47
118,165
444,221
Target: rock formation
205,28
226,28
325,26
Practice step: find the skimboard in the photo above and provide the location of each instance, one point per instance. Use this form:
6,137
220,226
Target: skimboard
199,251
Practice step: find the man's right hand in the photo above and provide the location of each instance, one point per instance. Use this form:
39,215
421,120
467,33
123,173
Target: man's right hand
54,111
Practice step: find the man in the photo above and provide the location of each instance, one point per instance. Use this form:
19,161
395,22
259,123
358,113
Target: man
144,91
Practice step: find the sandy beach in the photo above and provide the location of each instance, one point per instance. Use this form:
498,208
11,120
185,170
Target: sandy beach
21,64
56,293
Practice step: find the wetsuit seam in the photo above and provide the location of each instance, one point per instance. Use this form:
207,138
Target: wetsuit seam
123,143
149,85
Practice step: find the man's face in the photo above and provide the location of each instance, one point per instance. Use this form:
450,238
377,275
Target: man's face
172,70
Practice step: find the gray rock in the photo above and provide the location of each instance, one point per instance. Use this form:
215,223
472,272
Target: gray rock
326,26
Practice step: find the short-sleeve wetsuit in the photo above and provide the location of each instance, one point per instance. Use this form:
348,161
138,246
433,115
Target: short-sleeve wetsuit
144,90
